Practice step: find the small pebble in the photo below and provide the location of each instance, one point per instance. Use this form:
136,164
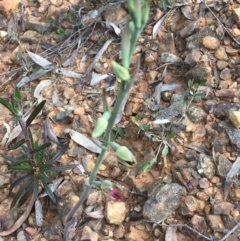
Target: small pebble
234,116
221,54
210,42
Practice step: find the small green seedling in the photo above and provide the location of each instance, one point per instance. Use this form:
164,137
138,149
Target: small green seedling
61,31
163,148
194,92
142,127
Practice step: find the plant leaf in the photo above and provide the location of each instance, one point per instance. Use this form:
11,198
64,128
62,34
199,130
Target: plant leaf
171,135
137,117
48,190
26,195
58,154
44,165
26,151
31,138
24,167
36,186
60,168
9,158
35,113
119,130
17,182
21,161
17,144
44,177
165,150
17,94
202,82
8,106
199,96
53,187
42,147
21,190
40,155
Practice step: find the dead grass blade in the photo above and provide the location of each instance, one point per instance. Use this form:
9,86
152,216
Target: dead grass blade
74,54
6,136
116,29
160,22
15,133
49,131
97,78
79,166
84,141
22,8
232,174
163,87
32,77
98,56
12,26
68,73
39,60
53,187
40,86
95,214
187,13
38,213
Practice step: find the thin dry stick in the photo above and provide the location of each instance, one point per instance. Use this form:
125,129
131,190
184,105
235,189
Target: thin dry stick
183,225
230,232
235,40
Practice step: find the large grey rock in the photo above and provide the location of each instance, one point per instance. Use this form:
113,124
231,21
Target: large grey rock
163,200
173,113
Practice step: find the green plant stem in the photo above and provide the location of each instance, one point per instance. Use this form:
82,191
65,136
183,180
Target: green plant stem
92,177
83,197
122,94
124,89
133,43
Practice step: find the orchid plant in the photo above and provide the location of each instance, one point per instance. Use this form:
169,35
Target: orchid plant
139,11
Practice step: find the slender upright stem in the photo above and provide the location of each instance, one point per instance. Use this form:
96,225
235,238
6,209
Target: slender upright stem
122,94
